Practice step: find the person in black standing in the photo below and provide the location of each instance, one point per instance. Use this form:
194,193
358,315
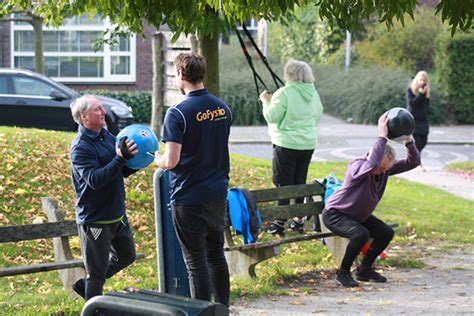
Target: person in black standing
418,102
196,134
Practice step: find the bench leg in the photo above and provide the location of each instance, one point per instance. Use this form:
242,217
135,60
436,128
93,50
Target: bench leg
62,250
336,244
242,263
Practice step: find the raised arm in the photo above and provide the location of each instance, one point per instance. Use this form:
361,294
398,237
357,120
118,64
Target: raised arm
410,162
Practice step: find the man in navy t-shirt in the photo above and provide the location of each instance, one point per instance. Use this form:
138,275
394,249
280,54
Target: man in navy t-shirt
196,134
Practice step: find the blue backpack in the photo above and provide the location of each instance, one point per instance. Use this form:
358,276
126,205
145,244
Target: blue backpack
332,184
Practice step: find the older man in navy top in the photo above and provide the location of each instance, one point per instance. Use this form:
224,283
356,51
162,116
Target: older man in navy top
97,169
196,134
348,212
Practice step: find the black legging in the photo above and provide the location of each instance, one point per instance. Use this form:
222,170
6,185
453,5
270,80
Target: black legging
358,235
289,167
420,141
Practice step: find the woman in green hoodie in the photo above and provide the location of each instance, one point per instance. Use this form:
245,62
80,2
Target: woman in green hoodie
293,113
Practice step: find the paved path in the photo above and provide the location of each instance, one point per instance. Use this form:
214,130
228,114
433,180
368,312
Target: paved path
444,287
340,141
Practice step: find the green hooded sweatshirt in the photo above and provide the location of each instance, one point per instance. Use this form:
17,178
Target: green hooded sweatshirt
293,115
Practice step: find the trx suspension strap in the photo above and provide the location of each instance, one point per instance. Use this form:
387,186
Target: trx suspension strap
264,59
249,61
256,76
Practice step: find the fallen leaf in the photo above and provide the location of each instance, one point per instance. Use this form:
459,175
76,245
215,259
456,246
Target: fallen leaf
38,220
458,285
20,191
352,298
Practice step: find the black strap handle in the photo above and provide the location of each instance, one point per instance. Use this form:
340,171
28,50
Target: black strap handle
256,76
264,59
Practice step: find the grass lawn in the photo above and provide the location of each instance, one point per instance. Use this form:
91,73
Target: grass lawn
466,167
35,163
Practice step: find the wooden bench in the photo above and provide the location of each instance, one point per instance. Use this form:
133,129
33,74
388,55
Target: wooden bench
59,230
242,259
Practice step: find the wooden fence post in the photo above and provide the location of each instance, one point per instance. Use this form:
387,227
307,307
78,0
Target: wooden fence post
62,250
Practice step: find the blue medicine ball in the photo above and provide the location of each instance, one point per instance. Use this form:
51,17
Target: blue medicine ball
400,123
147,144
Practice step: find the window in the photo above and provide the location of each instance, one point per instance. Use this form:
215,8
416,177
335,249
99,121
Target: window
69,54
31,86
3,85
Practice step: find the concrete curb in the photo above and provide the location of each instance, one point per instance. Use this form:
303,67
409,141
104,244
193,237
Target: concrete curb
266,142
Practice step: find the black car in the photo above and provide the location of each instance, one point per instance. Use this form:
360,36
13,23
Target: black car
28,99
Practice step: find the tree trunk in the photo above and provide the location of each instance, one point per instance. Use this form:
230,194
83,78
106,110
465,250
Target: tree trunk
194,44
37,24
209,48
157,99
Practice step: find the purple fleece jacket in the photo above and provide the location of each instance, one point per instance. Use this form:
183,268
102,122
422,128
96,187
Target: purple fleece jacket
361,191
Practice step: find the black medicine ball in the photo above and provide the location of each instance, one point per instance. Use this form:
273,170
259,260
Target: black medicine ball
400,123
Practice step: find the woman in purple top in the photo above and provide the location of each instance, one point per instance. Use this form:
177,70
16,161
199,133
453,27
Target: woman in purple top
348,212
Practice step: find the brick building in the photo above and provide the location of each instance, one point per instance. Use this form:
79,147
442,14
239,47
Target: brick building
70,59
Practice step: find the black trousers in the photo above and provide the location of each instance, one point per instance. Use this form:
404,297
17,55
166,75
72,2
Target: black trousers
200,232
289,167
420,141
106,249
358,235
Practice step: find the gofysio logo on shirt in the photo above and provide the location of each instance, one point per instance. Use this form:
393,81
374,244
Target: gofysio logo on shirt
211,115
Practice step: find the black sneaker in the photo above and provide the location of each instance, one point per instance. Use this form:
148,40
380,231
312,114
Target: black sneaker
346,279
80,287
278,227
297,225
370,275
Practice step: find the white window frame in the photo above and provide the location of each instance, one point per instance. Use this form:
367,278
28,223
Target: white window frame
107,53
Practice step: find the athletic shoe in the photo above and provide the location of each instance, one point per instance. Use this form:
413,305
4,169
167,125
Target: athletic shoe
370,275
278,227
346,279
80,287
297,225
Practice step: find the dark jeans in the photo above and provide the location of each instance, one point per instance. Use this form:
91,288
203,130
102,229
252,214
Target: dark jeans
420,141
200,231
106,249
358,235
290,166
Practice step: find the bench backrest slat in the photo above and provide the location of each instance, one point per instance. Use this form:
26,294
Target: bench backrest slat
289,211
38,231
288,192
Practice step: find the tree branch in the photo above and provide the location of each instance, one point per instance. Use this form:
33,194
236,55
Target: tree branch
16,20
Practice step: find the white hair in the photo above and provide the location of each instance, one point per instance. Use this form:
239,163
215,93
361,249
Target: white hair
297,70
80,106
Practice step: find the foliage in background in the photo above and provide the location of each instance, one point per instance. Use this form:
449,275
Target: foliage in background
304,36
364,94
35,163
140,102
237,83
455,71
411,47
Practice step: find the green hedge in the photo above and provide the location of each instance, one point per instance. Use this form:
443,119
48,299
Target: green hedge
455,65
364,94
361,96
140,102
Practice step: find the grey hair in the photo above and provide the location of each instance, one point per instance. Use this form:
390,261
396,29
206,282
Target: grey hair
297,70
389,152
80,106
